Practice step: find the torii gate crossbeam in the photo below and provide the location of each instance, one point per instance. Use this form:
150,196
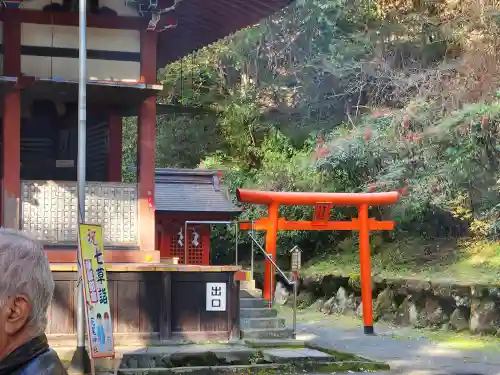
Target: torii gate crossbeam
323,203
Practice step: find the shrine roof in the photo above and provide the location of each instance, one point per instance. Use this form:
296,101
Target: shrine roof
191,190
203,22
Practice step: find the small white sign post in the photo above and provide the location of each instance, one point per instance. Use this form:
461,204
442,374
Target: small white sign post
216,297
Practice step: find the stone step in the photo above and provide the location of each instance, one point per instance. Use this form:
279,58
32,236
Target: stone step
249,302
191,356
258,369
227,359
249,293
295,355
275,360
279,333
295,365
262,323
275,343
247,284
170,356
256,312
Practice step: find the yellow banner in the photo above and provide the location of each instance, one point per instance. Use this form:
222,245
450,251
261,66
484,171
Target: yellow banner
100,328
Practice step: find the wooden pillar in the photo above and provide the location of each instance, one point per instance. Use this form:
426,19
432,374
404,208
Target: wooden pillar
146,145
115,148
11,153
206,245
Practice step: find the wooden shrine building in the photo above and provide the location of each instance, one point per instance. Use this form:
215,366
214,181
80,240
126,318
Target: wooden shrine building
184,195
127,41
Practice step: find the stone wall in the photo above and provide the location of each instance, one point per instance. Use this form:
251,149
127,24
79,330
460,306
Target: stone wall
405,302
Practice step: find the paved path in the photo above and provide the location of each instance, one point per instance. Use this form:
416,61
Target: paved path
407,356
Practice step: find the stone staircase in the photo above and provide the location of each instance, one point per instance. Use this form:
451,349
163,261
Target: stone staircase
228,359
257,320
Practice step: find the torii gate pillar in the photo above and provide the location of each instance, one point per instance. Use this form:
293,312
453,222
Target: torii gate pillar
323,203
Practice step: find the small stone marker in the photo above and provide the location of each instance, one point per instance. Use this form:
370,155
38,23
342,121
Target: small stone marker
280,294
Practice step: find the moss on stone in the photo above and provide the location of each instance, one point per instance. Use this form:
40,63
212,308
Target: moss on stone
271,371
257,358
290,368
342,360
276,346
338,356
343,366
196,359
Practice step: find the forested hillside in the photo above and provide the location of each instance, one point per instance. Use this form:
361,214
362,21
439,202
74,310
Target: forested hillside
358,95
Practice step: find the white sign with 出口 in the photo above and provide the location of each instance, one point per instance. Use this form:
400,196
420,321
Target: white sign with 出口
216,297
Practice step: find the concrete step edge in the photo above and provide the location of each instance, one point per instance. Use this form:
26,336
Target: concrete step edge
208,369
258,313
218,352
266,318
253,303
266,329
256,308
251,290
252,299
276,343
255,293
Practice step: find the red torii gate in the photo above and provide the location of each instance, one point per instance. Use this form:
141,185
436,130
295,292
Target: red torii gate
323,204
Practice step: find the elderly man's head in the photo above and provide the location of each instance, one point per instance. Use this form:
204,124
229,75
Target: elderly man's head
26,289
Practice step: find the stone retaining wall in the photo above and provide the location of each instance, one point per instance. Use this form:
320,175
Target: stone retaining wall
406,302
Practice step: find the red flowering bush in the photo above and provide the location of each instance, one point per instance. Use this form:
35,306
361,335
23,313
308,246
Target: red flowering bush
428,161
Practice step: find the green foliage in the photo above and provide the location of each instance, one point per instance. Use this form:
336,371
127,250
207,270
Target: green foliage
382,82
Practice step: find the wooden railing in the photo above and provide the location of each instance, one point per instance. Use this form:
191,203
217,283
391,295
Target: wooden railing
48,211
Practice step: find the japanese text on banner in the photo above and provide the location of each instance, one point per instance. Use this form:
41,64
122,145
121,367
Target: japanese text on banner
96,291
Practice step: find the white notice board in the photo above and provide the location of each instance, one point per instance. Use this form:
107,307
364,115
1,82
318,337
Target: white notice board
216,297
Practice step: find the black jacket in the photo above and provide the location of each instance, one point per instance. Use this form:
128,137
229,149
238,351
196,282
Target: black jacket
33,358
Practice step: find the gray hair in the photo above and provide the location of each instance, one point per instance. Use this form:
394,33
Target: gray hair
25,269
